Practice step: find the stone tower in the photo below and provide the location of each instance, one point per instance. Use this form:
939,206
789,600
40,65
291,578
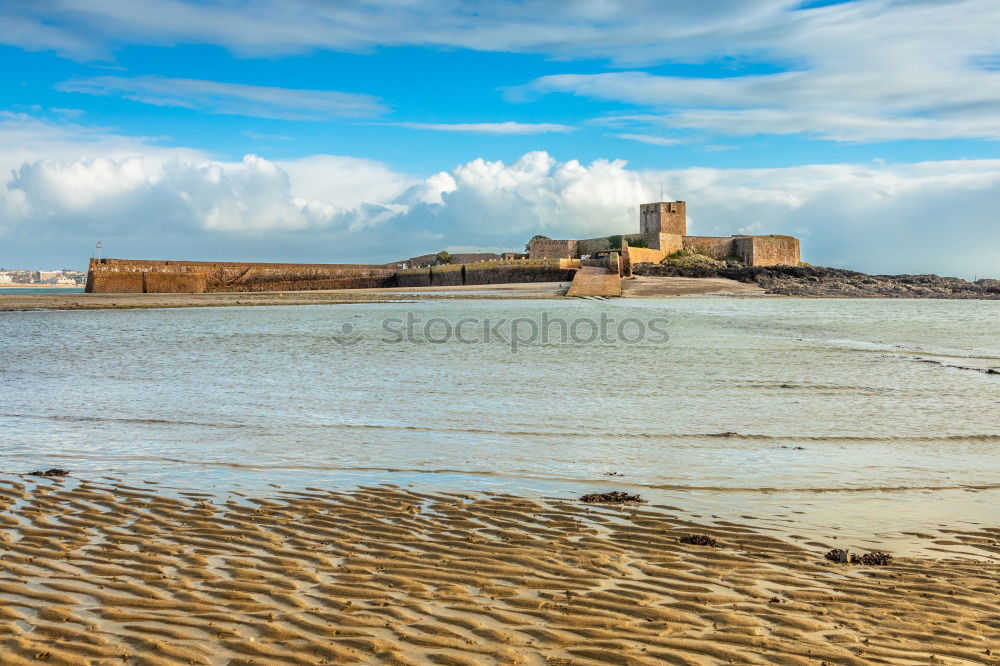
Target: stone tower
664,217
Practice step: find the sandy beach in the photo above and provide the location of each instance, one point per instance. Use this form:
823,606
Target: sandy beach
98,572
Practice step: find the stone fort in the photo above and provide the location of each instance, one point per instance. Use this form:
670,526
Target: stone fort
663,227
662,231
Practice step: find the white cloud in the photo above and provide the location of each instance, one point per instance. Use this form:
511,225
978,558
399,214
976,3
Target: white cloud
879,217
24,139
508,127
871,70
825,104
346,182
651,139
867,70
230,98
628,30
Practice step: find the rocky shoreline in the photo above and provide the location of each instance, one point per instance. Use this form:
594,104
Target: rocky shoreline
820,281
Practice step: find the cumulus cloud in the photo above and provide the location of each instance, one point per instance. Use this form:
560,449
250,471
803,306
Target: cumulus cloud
26,138
230,98
922,217
256,196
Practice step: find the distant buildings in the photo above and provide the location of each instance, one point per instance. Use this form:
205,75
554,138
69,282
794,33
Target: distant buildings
59,277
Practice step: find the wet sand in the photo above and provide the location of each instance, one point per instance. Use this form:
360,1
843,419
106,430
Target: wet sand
658,287
317,297
104,573
642,287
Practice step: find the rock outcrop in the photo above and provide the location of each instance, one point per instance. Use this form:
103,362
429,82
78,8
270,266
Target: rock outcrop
820,281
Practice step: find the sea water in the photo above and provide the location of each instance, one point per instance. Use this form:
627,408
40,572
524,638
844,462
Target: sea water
856,420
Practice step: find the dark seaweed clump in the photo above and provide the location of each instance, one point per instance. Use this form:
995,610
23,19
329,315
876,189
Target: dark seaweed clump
699,540
875,558
55,471
838,555
613,497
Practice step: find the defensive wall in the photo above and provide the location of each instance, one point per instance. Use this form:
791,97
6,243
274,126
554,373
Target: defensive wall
489,272
772,250
154,276
751,250
195,277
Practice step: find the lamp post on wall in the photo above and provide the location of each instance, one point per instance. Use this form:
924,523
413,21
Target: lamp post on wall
97,250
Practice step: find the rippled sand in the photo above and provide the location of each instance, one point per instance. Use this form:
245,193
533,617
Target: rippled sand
109,574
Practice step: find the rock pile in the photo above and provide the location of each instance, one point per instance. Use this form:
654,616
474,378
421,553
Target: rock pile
830,282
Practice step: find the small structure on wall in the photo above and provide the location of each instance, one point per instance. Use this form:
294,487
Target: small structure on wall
663,227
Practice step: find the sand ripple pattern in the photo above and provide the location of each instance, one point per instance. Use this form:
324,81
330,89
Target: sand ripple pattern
103,573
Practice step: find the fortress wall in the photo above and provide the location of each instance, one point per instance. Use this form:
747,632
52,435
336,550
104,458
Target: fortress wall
640,255
553,249
414,277
592,245
114,283
153,276
172,283
302,283
143,276
447,275
711,246
768,250
603,243
523,270
668,243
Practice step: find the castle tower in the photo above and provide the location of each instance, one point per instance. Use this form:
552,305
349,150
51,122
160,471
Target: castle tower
663,217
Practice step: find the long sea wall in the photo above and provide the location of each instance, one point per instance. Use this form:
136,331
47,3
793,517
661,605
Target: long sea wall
194,277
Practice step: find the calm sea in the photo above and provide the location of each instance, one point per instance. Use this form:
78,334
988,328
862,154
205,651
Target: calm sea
41,290
863,420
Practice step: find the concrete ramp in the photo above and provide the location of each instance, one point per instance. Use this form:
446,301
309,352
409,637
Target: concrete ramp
595,281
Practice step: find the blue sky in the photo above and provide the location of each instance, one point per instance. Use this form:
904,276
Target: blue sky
309,131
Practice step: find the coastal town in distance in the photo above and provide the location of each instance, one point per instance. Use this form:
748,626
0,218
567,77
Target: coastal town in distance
35,278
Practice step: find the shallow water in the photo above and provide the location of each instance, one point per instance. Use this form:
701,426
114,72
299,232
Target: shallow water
41,290
845,419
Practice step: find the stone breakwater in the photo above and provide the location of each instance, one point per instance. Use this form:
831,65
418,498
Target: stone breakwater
819,281
135,276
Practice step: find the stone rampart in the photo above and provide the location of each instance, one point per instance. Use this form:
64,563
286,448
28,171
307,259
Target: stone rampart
521,270
152,276
768,250
447,275
145,276
716,247
544,248
414,277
